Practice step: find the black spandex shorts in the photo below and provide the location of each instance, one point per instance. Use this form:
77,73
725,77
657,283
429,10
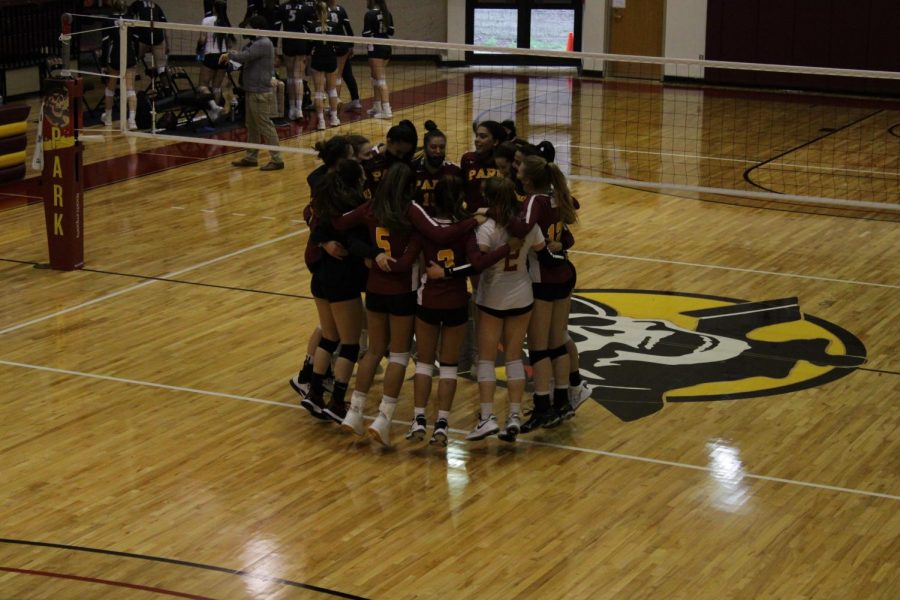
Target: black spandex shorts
334,289
398,305
548,292
323,60
448,317
503,314
341,49
295,48
211,61
383,52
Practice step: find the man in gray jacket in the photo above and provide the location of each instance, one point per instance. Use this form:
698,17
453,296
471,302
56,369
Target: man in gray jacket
258,60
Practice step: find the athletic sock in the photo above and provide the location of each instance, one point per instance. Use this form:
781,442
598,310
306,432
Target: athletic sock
575,378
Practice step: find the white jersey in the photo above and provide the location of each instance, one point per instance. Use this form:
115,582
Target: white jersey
506,284
211,46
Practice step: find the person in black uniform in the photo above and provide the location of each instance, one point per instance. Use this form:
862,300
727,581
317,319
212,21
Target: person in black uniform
323,61
109,62
293,19
379,23
148,38
339,15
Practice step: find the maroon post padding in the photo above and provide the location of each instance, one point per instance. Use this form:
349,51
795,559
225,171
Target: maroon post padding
62,179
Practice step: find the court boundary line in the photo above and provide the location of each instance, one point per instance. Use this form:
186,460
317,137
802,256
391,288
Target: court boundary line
606,453
736,269
182,563
138,286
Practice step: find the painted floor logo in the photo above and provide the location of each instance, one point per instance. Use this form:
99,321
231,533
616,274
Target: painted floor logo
640,349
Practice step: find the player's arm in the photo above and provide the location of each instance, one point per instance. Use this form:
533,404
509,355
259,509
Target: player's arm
354,218
431,229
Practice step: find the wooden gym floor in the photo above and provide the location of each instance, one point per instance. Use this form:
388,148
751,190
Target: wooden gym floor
151,446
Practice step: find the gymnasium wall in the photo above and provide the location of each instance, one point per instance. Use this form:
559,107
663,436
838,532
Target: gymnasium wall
824,33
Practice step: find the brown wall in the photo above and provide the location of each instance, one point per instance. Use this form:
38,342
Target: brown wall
862,34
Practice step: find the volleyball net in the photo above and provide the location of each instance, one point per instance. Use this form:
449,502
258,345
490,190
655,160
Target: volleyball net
689,126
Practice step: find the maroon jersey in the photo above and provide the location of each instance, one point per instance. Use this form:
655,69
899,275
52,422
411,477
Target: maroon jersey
540,210
451,292
426,180
375,169
402,246
475,170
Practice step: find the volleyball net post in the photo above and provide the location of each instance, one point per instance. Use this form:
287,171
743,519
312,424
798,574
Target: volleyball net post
60,155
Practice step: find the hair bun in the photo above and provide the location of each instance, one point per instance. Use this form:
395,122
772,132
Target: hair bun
430,125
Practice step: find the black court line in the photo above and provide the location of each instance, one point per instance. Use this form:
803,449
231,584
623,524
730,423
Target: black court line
750,170
182,281
886,372
184,563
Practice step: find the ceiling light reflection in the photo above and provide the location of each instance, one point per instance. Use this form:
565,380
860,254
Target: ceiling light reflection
728,473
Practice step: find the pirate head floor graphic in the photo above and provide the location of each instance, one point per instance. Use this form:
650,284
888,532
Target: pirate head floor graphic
639,349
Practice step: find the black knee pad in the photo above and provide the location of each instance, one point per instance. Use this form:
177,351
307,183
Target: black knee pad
555,353
327,345
349,352
536,356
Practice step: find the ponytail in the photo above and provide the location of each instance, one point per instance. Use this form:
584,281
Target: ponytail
563,196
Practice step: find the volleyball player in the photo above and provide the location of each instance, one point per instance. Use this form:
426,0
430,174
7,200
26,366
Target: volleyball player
379,23
362,147
400,143
390,296
331,152
339,17
323,61
109,60
479,165
443,307
504,299
432,166
211,47
337,282
549,207
295,52
149,39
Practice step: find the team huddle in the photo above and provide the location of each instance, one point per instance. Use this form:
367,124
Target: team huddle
410,233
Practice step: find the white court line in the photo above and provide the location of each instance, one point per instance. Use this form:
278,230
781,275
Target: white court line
739,270
150,282
631,457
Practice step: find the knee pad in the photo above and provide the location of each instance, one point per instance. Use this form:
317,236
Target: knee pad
338,81
131,94
349,352
486,371
555,353
424,368
536,356
374,82
515,371
382,83
400,358
109,93
333,93
449,371
328,346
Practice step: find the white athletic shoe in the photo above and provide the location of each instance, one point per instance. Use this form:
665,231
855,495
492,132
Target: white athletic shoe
213,112
292,114
354,105
380,429
384,115
372,112
578,394
417,429
353,422
132,125
483,429
335,121
302,389
513,425
321,125
439,436
106,119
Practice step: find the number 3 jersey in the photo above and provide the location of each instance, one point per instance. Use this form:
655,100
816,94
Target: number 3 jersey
505,285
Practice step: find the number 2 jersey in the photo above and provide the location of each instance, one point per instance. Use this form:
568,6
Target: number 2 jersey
506,285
